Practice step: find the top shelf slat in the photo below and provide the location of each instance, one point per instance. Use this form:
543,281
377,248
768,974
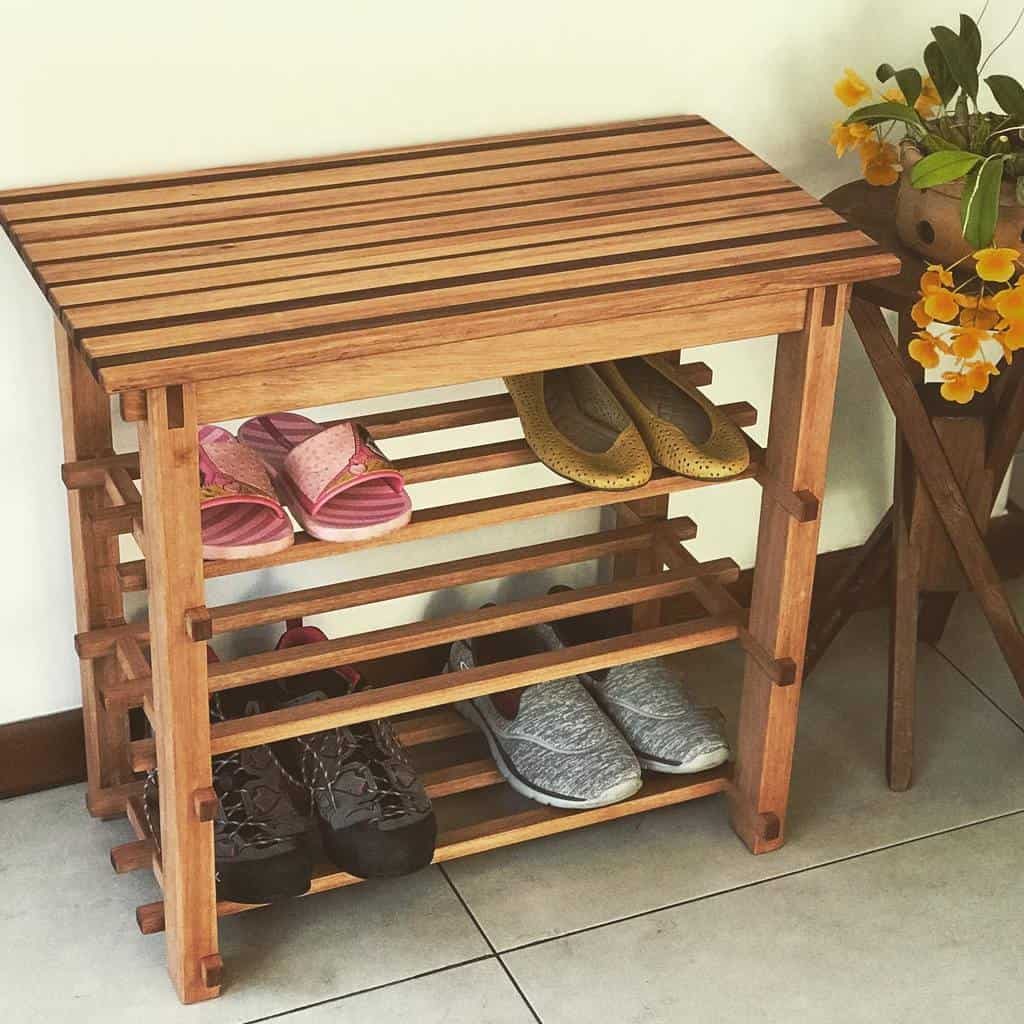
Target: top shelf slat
194,278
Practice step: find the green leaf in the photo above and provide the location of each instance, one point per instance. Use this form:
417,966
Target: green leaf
971,38
962,65
1009,94
945,83
875,112
979,207
908,79
936,143
939,168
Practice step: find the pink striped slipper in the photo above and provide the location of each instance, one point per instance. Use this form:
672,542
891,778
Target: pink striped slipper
241,517
336,481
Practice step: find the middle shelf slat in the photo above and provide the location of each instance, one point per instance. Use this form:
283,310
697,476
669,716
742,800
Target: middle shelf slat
446,688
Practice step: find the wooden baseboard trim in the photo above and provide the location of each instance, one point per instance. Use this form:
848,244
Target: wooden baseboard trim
39,753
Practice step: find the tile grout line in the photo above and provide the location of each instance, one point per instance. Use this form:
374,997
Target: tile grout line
282,1014
761,881
490,945
949,661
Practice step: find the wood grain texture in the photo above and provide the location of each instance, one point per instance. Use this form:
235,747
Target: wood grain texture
170,467
174,279
801,417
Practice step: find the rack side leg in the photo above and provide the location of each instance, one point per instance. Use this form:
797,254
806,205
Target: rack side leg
170,471
625,566
801,417
85,420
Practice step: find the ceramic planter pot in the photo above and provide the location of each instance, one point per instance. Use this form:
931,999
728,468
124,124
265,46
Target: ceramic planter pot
929,221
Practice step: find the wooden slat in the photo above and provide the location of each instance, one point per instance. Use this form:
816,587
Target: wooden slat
380,643
435,522
235,171
206,622
367,189
451,687
659,231
392,292
354,171
428,238
132,856
475,569
386,202
489,834
396,224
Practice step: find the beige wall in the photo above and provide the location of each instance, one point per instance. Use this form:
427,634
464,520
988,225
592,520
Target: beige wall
109,88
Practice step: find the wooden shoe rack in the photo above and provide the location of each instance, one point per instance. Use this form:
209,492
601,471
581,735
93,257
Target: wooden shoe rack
205,296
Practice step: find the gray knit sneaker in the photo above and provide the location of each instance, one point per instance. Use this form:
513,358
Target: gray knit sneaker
646,700
551,741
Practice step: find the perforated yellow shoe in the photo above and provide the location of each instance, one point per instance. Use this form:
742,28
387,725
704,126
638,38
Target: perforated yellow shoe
684,432
577,427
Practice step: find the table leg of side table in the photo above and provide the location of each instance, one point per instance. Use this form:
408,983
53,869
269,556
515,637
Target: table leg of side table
85,416
899,730
805,373
170,471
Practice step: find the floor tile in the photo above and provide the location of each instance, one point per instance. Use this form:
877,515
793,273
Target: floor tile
478,993
840,803
928,932
969,644
69,937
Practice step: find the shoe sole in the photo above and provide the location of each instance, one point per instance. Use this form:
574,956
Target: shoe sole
468,711
699,764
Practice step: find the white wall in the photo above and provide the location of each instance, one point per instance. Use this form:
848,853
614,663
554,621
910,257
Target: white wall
116,88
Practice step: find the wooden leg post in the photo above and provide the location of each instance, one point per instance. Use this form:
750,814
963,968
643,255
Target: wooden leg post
899,734
170,471
646,615
85,417
797,453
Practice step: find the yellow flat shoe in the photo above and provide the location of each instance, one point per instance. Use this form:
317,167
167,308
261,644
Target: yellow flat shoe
577,427
684,432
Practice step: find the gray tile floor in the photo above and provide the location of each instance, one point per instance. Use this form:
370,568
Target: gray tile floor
881,907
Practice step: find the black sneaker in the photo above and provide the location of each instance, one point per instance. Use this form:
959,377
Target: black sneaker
374,815
259,852
259,848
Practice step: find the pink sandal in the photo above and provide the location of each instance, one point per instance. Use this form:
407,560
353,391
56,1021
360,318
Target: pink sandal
335,480
241,517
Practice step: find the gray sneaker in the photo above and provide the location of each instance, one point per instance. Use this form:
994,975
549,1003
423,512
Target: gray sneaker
647,702
551,742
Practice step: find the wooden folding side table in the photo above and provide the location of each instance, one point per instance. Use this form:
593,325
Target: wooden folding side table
950,463
238,291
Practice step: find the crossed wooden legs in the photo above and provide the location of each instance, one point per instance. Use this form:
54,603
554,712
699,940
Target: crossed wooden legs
921,455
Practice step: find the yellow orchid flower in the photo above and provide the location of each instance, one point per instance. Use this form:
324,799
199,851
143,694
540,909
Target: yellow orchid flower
1010,303
996,264
894,95
851,89
923,350
983,319
940,304
956,388
918,315
935,277
849,136
1011,338
929,99
883,166
967,341
978,375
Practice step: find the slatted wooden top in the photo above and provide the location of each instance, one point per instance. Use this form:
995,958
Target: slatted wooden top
194,276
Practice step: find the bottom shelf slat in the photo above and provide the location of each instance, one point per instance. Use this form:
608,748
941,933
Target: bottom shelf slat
530,821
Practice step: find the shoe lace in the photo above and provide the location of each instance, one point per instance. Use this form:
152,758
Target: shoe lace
370,745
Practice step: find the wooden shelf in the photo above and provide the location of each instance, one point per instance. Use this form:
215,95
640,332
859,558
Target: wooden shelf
480,812
213,295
